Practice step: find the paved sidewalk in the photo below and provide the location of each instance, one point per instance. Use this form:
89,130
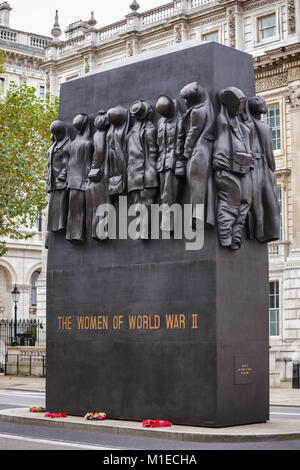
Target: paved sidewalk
32,384
285,397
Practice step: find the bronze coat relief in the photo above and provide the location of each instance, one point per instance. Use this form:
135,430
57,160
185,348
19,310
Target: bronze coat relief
80,160
96,186
142,179
58,157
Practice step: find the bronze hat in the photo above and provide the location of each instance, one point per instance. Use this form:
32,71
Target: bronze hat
140,109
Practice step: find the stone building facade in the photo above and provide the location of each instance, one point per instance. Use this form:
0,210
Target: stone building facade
269,30
24,54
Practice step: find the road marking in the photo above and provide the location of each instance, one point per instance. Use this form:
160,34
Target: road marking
58,443
288,414
20,405
22,394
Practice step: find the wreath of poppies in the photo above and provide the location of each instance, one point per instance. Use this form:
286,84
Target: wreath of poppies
156,423
55,415
37,409
96,416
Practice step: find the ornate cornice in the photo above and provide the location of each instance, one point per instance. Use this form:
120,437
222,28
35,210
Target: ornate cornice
208,19
259,4
280,58
268,83
279,68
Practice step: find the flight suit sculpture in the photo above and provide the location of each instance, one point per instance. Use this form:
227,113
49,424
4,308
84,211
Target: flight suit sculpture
232,162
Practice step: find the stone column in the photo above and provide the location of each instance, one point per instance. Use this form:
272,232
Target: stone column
291,278
231,26
293,99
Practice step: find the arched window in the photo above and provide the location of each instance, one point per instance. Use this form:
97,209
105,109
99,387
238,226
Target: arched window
5,294
34,278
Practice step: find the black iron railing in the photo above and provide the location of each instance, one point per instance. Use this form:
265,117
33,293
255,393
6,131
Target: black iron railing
23,333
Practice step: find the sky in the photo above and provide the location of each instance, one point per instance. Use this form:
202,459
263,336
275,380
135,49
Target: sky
36,16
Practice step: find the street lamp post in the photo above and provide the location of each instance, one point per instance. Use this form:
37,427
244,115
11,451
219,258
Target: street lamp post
15,296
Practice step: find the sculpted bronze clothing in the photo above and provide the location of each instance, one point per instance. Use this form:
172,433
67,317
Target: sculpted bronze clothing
256,213
117,159
142,156
270,204
81,153
234,190
197,123
96,188
170,140
264,215
58,156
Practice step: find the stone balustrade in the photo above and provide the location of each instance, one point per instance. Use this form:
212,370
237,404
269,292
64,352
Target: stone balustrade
137,21
8,35
112,30
158,14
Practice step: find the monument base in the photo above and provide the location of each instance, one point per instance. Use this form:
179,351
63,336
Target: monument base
146,329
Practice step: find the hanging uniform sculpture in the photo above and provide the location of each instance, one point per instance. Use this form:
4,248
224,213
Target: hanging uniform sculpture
96,188
142,180
264,213
58,157
232,163
171,164
198,121
80,160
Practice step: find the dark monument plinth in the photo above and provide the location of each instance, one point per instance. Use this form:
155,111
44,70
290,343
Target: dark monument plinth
144,328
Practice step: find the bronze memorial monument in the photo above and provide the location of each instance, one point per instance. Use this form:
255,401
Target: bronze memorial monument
151,326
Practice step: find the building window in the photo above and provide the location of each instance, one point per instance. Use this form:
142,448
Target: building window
34,278
279,195
273,119
71,77
213,36
2,81
42,92
274,310
267,27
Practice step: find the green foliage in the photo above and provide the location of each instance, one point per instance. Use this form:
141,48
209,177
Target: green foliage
24,140
2,60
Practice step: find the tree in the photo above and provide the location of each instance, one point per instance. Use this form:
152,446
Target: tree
2,60
24,140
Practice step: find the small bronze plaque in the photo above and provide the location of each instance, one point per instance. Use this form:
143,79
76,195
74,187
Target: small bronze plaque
243,370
